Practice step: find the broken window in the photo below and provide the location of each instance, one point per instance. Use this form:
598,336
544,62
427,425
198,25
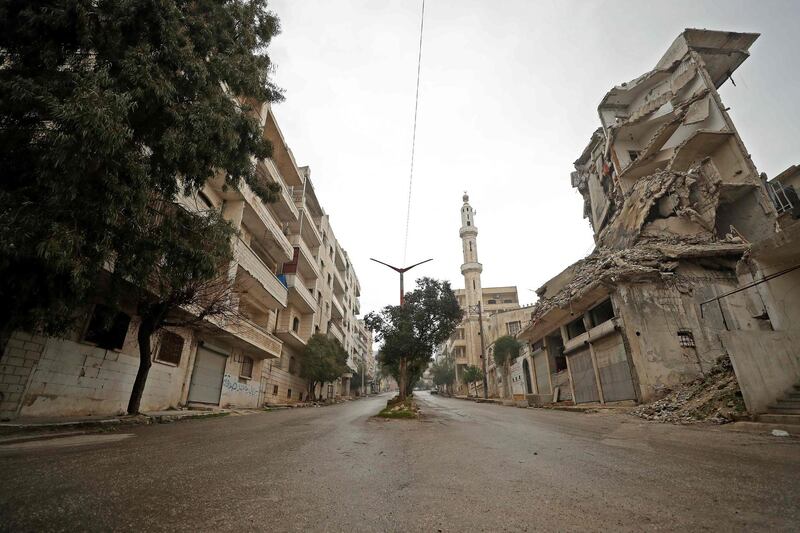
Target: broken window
170,348
633,154
106,328
602,313
538,345
513,327
246,371
685,338
575,328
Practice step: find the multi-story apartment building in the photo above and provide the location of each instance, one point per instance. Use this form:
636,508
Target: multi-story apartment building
674,201
291,279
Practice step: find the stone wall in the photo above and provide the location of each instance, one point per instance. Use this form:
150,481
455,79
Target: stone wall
18,361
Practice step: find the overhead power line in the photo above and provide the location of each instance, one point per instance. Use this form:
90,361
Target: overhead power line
414,131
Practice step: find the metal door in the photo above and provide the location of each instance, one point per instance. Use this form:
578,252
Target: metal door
542,374
583,378
207,376
612,364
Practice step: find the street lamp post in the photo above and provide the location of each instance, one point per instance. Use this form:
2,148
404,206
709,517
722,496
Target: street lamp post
477,308
401,271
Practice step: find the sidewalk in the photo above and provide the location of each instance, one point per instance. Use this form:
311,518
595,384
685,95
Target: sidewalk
105,421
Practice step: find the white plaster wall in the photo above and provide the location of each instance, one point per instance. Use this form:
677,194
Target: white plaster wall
76,379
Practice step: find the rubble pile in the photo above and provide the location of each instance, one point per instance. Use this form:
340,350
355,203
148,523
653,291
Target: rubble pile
714,398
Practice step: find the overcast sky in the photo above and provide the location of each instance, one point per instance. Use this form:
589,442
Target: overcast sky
508,100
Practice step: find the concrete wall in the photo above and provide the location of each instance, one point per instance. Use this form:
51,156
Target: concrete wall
21,354
652,316
75,379
767,364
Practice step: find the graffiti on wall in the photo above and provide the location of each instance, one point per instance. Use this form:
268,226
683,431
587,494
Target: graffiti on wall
233,384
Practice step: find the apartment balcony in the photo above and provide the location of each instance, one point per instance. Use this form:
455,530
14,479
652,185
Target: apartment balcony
285,206
272,237
341,263
336,332
336,309
247,336
305,226
290,337
338,284
299,295
255,278
306,263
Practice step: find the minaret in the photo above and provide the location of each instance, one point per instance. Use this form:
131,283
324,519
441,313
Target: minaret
471,268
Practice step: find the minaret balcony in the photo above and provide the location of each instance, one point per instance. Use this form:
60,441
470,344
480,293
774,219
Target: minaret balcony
471,231
471,267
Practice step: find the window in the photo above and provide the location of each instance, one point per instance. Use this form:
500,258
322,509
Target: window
470,246
575,328
296,324
246,371
685,338
469,223
538,345
170,348
602,313
106,328
492,302
508,301
274,390
473,284
513,327
292,365
289,394
633,154
319,296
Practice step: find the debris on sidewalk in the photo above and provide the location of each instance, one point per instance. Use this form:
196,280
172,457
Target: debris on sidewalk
714,398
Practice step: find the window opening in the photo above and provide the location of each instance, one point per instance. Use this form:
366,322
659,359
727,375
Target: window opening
171,348
246,370
106,328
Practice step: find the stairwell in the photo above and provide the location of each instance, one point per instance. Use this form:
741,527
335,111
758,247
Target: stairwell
785,410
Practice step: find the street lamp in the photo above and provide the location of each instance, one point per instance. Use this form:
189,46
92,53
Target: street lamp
401,271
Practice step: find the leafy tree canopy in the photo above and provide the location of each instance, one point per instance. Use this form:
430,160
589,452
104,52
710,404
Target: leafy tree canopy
472,374
103,106
506,349
411,332
324,360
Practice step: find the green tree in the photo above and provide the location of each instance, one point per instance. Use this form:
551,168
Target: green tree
110,112
411,332
506,349
471,375
443,374
324,360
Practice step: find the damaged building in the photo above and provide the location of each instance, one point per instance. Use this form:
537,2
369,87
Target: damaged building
678,209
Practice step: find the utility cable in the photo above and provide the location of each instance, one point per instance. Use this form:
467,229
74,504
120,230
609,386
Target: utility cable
414,131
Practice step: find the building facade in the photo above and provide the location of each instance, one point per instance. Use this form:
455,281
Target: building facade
291,278
674,201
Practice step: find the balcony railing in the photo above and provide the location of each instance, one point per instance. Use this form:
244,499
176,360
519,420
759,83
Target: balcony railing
250,262
251,333
286,194
298,291
269,222
336,332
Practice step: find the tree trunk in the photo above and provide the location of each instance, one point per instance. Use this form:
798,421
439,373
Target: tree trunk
152,319
403,378
143,336
506,386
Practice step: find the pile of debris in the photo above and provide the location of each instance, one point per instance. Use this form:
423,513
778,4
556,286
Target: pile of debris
714,398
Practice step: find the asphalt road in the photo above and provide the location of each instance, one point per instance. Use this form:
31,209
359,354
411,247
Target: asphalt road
463,467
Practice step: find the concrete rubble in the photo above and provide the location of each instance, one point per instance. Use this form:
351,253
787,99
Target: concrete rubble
715,398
